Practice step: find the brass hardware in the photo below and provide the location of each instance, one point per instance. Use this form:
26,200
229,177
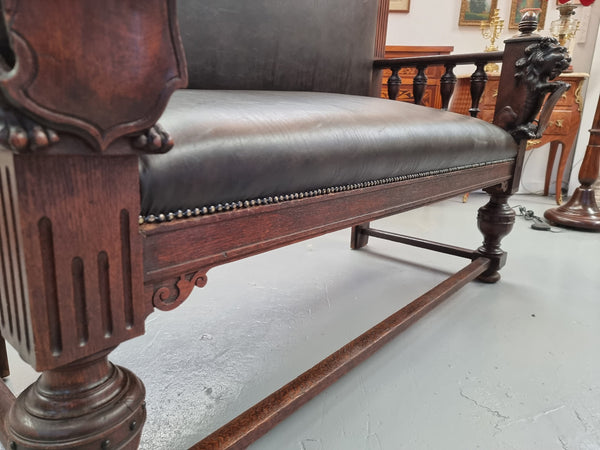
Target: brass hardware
532,143
579,97
491,30
495,94
559,123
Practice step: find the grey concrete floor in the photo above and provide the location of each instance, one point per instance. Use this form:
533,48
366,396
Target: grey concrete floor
507,366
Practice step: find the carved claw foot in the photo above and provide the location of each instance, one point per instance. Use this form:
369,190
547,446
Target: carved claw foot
21,134
155,139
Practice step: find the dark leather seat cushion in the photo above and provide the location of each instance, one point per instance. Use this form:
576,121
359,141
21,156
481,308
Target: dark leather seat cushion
232,146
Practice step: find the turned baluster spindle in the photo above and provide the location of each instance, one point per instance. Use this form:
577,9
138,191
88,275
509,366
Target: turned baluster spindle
478,81
447,83
393,84
419,83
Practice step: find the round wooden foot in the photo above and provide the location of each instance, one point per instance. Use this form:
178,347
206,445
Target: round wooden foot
492,277
89,404
581,211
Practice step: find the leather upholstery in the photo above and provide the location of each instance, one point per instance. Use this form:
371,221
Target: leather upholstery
238,145
301,45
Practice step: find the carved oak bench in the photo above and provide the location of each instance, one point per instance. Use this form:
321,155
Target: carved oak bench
107,215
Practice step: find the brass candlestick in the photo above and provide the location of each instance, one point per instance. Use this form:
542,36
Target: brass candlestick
491,30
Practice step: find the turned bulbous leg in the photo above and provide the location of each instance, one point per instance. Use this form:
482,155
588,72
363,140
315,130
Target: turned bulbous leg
88,404
495,220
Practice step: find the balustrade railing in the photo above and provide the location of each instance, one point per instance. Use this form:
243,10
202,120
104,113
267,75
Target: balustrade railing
447,81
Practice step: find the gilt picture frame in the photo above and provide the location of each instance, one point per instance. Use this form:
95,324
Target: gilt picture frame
472,12
515,12
400,6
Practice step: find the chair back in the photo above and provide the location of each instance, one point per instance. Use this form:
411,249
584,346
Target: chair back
301,45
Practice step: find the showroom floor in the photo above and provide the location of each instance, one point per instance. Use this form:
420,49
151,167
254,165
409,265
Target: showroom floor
507,366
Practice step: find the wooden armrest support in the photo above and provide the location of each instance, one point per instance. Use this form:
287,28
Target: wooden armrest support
113,83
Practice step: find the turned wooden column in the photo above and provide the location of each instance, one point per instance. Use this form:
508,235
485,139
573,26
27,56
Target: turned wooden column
495,220
581,211
88,404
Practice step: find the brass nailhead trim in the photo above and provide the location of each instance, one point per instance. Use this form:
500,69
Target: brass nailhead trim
212,209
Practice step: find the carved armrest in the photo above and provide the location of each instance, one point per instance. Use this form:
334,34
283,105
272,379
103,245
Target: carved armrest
114,83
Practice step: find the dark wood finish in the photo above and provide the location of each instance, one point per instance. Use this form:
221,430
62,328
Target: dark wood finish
7,400
420,243
442,86
4,367
447,84
382,23
561,132
582,211
252,231
80,275
90,404
478,81
53,92
495,220
380,36
83,295
256,421
429,90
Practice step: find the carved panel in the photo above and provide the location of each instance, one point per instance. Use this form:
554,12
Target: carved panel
108,70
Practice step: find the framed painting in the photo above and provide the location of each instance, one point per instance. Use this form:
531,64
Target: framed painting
516,7
472,12
399,5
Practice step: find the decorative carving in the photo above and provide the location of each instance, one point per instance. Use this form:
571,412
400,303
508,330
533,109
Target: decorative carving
543,61
478,81
419,83
113,83
393,83
171,296
447,83
88,404
21,134
155,139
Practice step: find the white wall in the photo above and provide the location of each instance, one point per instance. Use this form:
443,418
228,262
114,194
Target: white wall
589,108
436,23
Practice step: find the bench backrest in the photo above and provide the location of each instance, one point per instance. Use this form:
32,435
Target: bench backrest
304,45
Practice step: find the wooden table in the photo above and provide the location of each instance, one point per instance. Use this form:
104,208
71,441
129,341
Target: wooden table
562,128
432,96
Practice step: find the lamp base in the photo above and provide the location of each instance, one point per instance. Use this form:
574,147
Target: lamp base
581,211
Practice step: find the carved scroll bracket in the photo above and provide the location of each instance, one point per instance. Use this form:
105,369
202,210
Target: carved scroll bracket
170,296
